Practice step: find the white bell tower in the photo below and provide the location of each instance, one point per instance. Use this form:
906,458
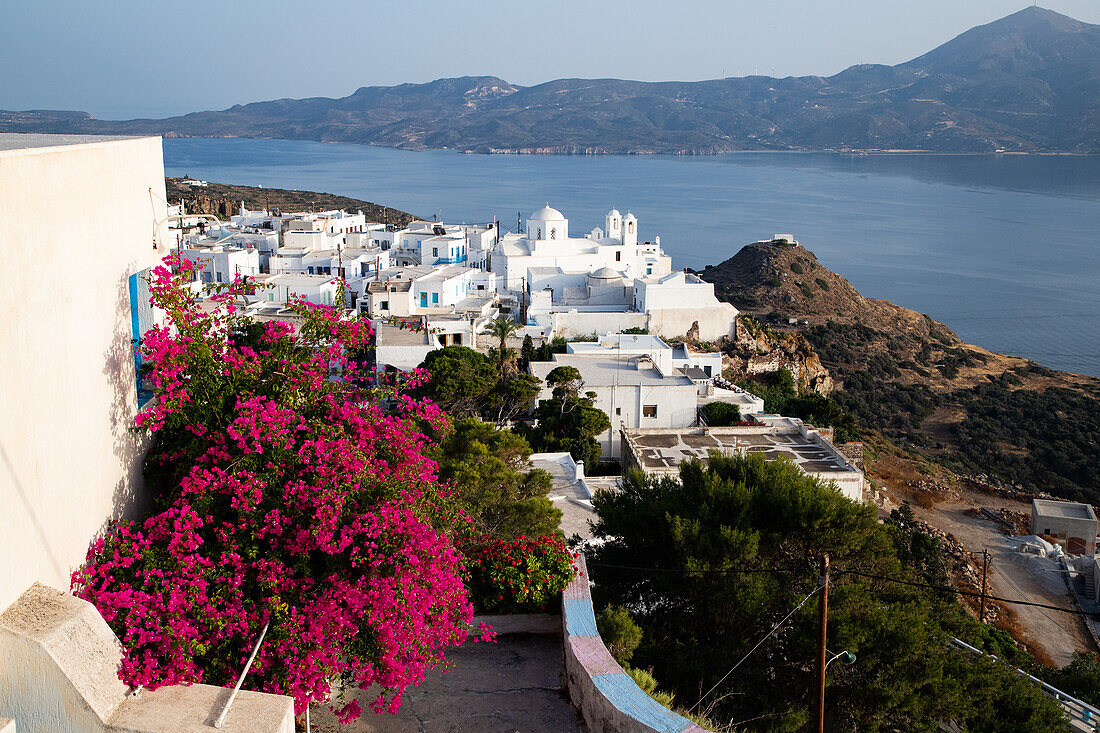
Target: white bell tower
613,225
630,230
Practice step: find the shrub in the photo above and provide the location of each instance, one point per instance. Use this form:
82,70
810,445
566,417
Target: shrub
620,634
720,414
796,268
822,284
285,496
520,575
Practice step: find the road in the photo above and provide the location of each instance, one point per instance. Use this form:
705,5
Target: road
1058,634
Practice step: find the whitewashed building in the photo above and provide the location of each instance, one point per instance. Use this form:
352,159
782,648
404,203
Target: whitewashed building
607,279
660,451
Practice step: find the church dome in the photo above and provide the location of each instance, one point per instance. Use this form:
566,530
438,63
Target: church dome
546,213
629,217
613,213
606,273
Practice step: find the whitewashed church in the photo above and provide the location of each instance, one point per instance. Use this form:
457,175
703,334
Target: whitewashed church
604,281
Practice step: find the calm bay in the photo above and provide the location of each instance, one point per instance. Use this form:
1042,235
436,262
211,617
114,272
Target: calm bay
1003,249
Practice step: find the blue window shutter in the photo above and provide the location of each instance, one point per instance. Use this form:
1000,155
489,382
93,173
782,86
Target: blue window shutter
141,320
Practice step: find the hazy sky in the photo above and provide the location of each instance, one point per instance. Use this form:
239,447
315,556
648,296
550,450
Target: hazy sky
128,58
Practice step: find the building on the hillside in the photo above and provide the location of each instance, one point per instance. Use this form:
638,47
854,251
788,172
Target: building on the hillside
222,264
425,289
631,390
682,303
1073,525
436,243
605,280
641,381
69,461
660,451
316,289
547,244
450,304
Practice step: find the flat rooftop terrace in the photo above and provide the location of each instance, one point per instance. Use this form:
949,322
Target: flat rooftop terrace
1063,509
28,140
667,449
390,335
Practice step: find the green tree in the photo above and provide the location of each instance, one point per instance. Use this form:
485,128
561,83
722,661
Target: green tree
568,421
494,483
513,397
719,414
502,328
749,533
781,396
460,382
1080,678
527,352
619,633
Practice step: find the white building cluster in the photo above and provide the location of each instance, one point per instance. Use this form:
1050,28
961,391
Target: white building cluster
642,382
451,279
607,279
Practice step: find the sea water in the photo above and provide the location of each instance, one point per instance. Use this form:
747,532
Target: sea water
1003,249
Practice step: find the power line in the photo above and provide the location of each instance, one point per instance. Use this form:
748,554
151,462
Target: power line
750,651
962,592
732,571
901,581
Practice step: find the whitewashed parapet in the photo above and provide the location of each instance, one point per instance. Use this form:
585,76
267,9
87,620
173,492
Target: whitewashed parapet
606,696
59,665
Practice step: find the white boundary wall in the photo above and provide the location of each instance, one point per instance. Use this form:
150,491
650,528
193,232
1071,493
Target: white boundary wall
76,220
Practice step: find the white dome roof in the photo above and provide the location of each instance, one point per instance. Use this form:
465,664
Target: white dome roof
629,217
614,212
606,273
546,213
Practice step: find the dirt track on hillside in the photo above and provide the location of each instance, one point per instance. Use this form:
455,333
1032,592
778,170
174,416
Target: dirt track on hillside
1058,634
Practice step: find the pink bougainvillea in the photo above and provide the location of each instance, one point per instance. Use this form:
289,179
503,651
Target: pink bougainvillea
290,488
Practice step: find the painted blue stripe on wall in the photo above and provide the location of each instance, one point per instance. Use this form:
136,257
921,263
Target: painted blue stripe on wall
629,698
579,618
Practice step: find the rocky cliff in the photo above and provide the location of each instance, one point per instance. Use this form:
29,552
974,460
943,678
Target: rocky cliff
910,378
224,200
759,350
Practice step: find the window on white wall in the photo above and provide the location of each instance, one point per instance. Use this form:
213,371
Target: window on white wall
649,410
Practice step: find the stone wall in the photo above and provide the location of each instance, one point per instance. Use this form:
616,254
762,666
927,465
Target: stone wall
608,700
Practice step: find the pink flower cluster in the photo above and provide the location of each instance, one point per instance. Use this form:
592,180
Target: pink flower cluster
292,498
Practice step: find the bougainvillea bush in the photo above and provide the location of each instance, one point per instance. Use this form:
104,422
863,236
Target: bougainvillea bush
519,575
285,495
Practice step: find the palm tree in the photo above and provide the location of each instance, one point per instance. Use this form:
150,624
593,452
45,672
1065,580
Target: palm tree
502,328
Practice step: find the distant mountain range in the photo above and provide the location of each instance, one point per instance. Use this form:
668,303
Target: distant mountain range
1027,82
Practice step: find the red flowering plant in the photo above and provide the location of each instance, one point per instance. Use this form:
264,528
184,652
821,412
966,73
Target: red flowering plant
520,575
284,495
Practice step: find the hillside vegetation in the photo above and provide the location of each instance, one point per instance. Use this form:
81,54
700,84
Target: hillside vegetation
1027,82
910,378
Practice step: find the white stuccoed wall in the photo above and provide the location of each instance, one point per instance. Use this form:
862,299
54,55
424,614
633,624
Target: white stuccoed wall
75,221
59,674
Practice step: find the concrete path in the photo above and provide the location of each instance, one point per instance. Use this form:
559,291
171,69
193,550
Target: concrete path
512,686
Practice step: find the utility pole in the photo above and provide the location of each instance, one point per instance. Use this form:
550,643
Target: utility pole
823,619
985,571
